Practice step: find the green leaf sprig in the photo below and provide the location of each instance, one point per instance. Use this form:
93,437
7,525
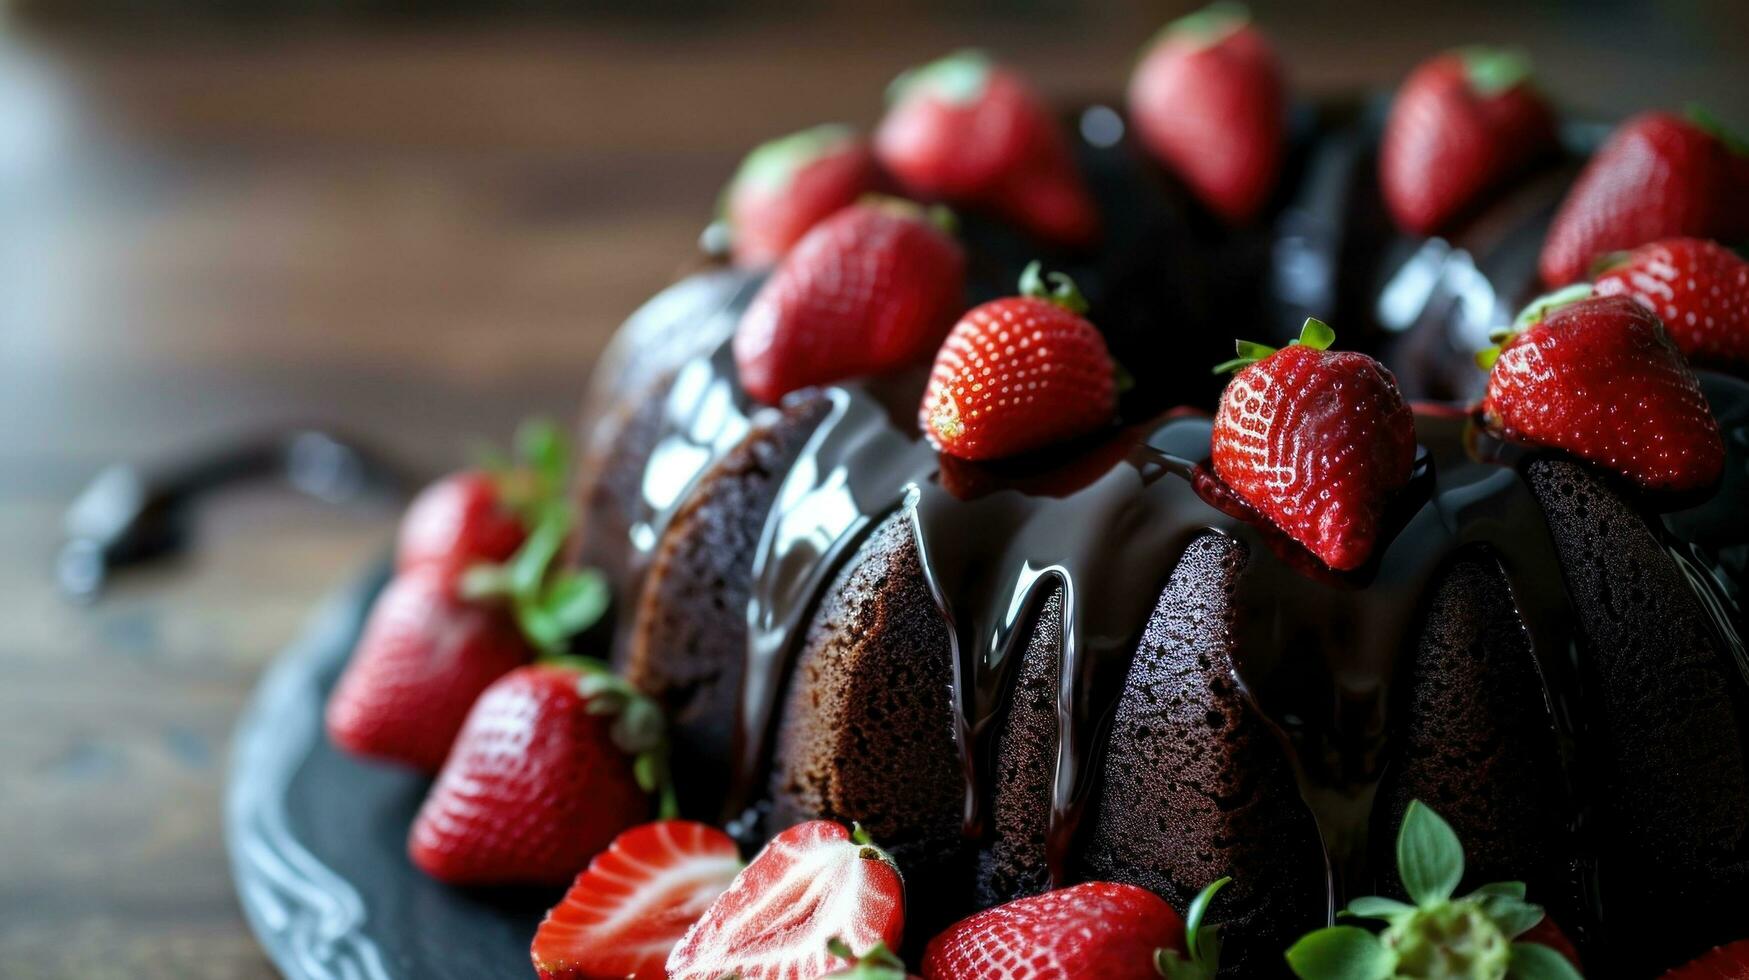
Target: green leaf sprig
552,604
1439,936
1532,314
1314,333
1202,943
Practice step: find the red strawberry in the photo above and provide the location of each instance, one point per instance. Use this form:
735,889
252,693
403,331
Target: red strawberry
971,132
813,883
1658,176
1020,373
623,915
1206,99
1598,378
423,658
1095,929
789,185
1547,933
870,289
1315,441
1699,289
541,779
1728,962
1462,123
458,521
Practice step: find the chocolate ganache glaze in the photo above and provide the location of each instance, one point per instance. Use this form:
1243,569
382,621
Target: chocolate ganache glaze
1103,524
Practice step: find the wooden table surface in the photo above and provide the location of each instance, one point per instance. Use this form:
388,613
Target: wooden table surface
420,235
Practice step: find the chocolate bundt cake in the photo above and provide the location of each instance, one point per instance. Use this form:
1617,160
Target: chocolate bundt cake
1082,665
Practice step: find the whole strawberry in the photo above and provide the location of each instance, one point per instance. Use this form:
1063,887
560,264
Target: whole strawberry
1658,176
1462,123
971,132
1599,378
1020,373
1728,962
484,515
1094,929
870,289
788,185
1699,289
423,658
623,915
1316,441
459,520
554,761
816,896
1207,100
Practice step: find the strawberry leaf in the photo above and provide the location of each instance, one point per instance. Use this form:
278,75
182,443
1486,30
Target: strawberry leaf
1249,354
1514,916
1429,858
1377,907
1202,943
1514,889
1341,953
577,600
1316,334
1534,961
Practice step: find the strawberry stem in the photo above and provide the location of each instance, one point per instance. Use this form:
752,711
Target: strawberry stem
1543,305
771,165
1053,287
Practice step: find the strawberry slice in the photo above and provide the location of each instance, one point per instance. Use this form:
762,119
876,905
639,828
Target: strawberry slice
624,914
1728,962
813,883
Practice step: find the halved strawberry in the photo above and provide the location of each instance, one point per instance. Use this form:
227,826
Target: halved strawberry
624,914
814,882
1728,962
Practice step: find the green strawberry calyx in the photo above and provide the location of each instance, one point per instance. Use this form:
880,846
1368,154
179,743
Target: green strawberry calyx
772,164
1533,313
1438,935
1201,958
939,215
1207,27
1314,333
878,963
1494,71
958,79
1052,287
537,471
1715,127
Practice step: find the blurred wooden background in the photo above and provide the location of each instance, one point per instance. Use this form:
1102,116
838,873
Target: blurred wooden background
423,231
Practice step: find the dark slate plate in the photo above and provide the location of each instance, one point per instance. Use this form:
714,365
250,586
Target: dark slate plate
318,839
